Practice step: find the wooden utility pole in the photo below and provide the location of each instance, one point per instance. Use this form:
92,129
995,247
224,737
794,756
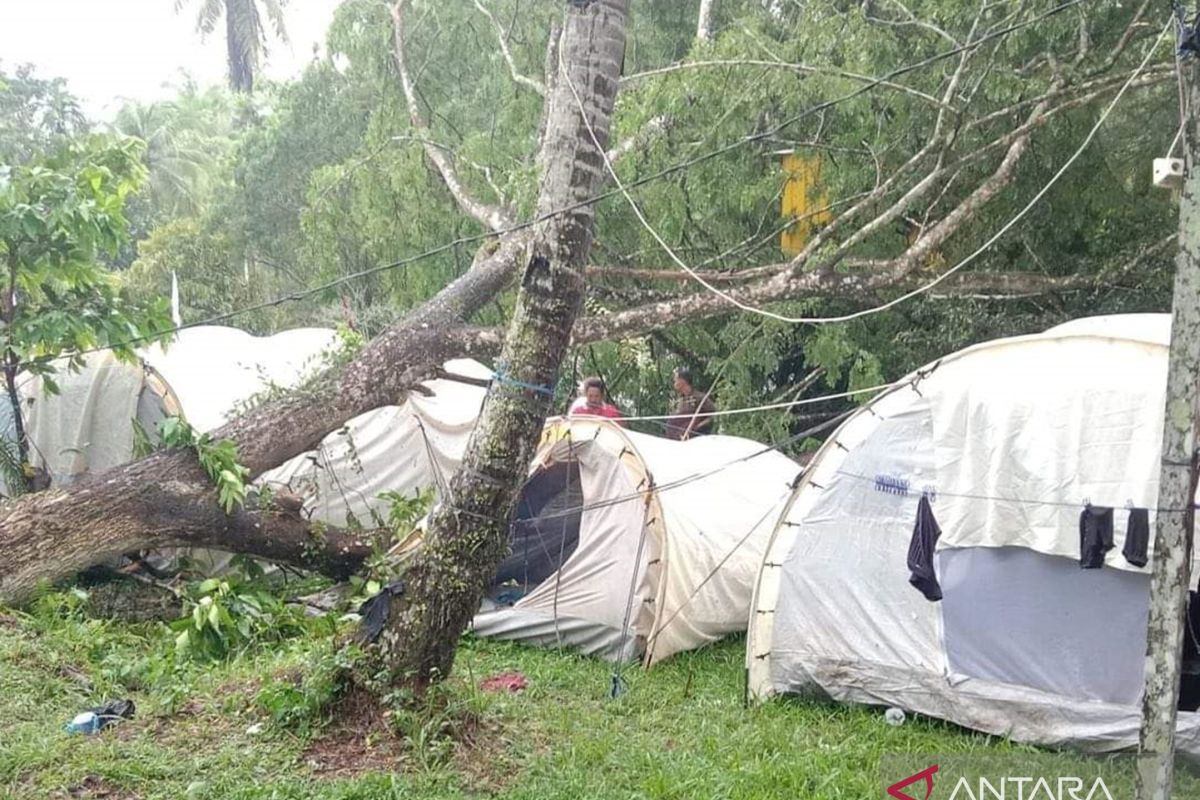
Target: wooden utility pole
1177,482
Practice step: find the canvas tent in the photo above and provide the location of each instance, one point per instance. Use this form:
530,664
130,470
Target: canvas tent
409,448
213,369
1007,441
628,545
89,424
206,373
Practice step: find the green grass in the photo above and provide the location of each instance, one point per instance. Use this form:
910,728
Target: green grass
678,731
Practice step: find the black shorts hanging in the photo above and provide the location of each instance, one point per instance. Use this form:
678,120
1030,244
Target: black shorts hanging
1137,537
920,552
1095,536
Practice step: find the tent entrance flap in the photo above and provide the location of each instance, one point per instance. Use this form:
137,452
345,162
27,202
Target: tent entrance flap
544,533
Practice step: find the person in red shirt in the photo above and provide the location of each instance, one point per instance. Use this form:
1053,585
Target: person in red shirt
593,402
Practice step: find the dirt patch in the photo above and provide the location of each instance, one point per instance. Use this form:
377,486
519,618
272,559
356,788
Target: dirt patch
93,787
358,740
362,739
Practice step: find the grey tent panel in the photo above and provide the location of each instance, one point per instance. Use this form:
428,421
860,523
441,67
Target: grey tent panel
1016,616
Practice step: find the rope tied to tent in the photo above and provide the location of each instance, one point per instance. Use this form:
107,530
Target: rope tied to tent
439,479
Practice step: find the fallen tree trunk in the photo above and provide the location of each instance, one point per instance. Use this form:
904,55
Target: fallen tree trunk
57,533
166,499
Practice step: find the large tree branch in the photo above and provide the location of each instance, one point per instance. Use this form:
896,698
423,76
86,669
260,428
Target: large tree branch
115,512
1127,35
496,218
642,320
502,38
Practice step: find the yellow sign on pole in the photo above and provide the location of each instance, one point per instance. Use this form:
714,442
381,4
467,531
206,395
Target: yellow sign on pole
803,200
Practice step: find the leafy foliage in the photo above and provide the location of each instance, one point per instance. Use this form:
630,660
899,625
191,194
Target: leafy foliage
37,116
218,458
57,216
224,615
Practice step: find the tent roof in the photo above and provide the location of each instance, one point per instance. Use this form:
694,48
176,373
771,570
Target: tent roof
1015,435
212,368
1150,328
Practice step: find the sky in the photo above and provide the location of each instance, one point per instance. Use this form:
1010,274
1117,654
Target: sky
111,50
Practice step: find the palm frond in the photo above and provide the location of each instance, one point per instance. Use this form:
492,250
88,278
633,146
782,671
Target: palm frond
275,14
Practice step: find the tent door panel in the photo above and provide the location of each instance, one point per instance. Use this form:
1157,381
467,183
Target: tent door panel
1017,616
544,533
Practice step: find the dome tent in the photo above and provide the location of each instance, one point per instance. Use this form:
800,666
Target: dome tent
1006,442
89,424
626,544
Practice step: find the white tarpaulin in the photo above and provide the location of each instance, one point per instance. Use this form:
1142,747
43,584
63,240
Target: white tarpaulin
88,425
406,449
213,369
1008,440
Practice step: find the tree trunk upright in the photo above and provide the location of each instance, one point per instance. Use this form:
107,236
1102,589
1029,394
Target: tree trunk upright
1177,481
468,530
240,51
8,310
704,21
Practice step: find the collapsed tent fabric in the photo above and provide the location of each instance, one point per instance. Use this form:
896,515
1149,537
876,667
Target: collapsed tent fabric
406,449
88,425
626,544
1008,441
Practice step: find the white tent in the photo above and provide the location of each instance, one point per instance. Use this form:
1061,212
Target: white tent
406,449
627,544
206,373
1008,441
89,424
214,369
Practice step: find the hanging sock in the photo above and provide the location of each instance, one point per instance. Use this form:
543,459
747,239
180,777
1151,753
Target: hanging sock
1095,536
1137,537
920,552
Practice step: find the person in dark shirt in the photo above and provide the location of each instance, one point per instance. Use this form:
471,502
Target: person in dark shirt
691,415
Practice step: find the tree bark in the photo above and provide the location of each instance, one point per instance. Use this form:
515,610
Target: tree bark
1177,484
704,20
468,530
58,532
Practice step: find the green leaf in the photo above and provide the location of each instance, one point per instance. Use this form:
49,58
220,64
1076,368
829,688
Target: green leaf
214,617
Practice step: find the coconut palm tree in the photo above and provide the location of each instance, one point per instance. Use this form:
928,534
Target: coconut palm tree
187,140
245,33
